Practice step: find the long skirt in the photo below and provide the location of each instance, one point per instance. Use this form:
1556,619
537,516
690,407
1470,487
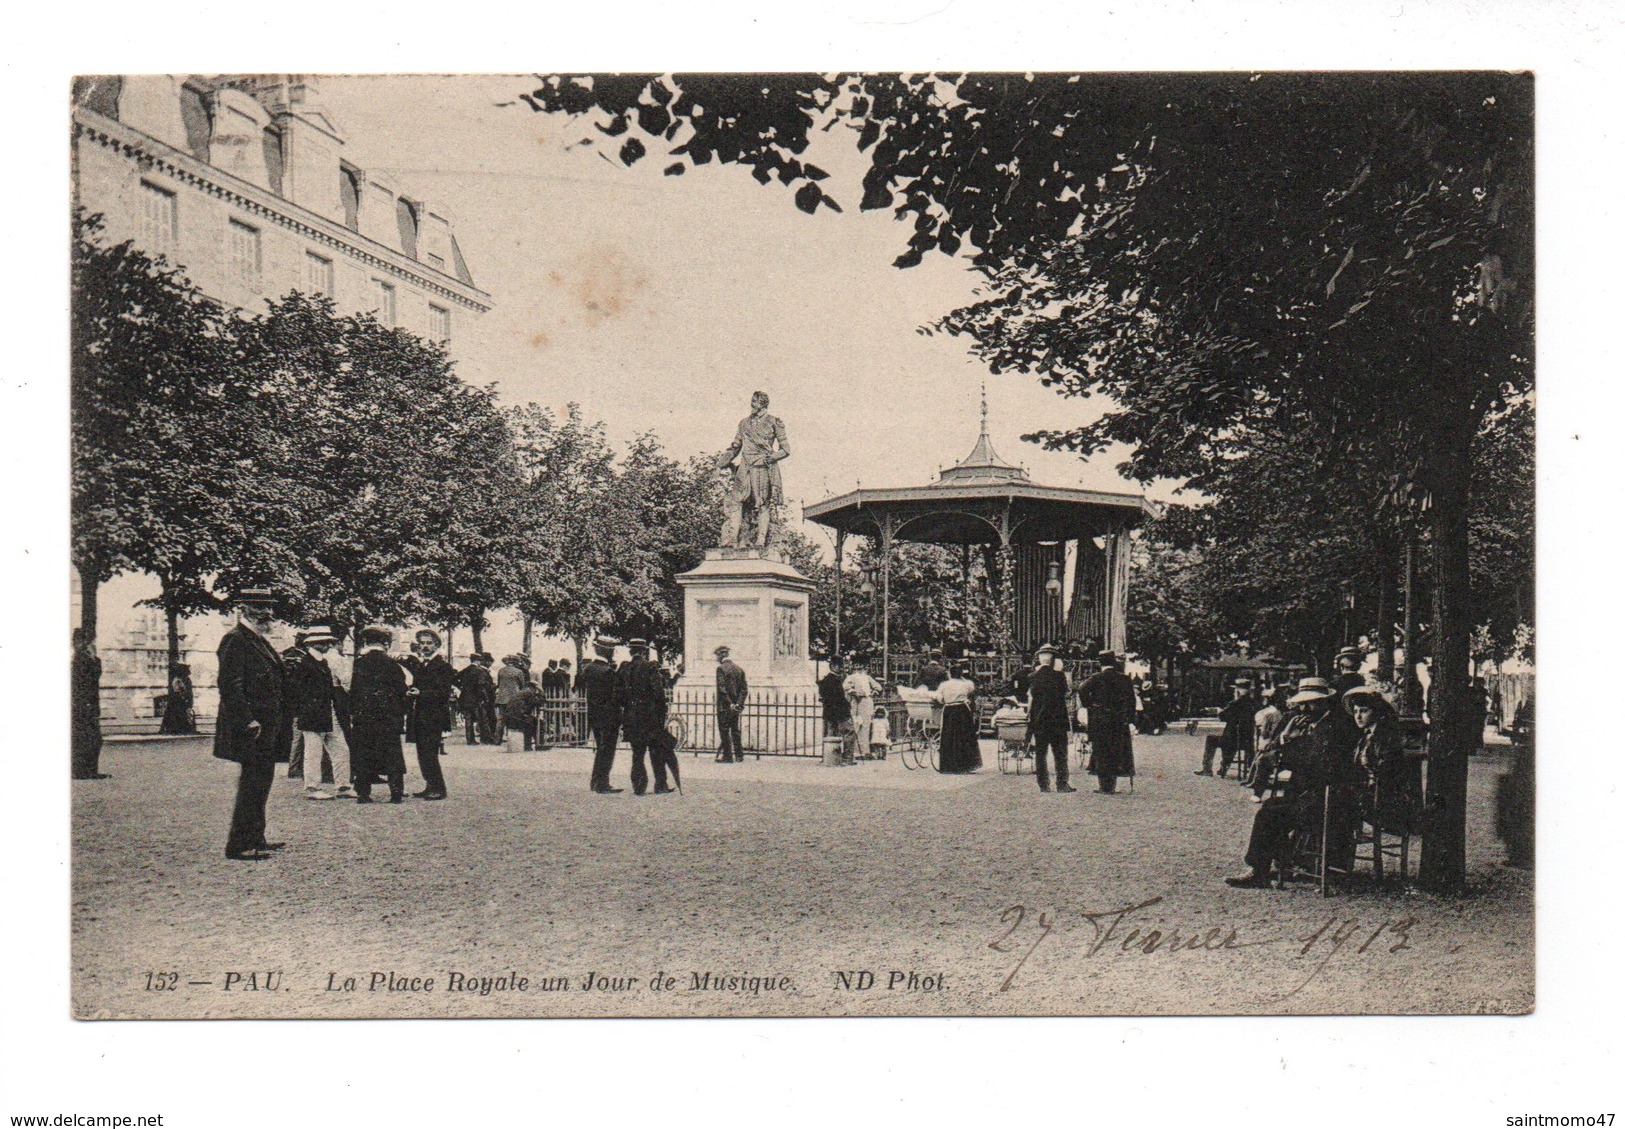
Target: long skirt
960,750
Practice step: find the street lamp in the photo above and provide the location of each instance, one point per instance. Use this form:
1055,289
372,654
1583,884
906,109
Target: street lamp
1053,584
868,585
1347,589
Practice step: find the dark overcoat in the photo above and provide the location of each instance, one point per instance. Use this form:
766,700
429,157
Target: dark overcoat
475,685
1047,711
1109,698
434,681
377,712
252,688
732,687
601,686
643,690
311,689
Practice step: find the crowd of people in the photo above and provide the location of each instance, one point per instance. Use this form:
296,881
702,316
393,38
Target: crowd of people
1327,751
1104,704
340,725
1318,758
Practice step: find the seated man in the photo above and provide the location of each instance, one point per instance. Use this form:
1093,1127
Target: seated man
1313,751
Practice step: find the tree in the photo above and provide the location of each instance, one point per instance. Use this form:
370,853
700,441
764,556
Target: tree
362,430
150,477
1353,249
568,469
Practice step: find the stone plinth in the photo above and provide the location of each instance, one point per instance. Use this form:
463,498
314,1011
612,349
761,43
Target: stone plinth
756,605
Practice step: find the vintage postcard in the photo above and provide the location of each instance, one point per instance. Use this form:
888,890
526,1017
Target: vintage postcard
849,544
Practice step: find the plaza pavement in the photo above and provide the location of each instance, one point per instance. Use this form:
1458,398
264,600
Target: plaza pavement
793,878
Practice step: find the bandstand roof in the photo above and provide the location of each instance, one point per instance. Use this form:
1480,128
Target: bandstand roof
970,500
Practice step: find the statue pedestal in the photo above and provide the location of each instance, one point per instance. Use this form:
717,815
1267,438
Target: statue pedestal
755,604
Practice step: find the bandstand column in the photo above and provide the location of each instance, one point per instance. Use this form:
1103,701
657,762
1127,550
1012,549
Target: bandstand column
1007,587
888,526
840,556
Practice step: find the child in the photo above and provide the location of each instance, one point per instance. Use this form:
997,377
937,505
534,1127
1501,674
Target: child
879,735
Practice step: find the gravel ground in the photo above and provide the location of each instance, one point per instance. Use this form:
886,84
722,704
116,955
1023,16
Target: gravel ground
783,875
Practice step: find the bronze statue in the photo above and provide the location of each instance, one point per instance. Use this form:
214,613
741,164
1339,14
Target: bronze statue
754,488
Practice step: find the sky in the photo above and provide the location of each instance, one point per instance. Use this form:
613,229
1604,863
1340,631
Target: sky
660,303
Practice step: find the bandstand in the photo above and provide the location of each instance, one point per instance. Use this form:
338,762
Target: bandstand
1027,534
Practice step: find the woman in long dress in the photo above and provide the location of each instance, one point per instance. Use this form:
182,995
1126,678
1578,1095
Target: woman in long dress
961,752
178,716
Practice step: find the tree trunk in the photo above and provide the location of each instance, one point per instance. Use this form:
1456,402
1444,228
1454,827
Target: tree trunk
1384,640
529,627
1410,690
476,624
172,620
1444,847
85,745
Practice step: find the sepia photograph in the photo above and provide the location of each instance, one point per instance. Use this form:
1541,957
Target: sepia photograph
779,544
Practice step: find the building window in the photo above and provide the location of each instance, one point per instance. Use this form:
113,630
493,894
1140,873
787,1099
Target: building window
243,254
158,223
384,301
350,196
318,275
439,324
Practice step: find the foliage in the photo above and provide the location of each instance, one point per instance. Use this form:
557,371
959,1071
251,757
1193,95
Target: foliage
155,476
1503,533
374,443
1169,607
1350,254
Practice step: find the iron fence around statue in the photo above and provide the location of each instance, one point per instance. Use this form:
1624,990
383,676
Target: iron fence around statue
771,725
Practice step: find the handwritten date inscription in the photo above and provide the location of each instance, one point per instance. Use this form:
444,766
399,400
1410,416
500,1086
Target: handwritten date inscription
1113,932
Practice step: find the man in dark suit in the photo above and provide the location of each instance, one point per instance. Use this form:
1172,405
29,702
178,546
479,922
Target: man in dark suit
377,713
600,684
934,673
484,687
837,710
643,690
248,728
434,688
1109,698
469,694
1047,722
732,690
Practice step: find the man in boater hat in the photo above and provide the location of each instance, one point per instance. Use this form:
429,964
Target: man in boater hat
434,688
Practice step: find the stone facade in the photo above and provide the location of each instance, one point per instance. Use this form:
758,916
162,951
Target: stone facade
242,181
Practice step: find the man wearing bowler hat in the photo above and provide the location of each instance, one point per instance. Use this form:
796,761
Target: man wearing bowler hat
1109,698
377,712
248,728
1348,674
643,691
1236,742
1047,722
600,684
732,690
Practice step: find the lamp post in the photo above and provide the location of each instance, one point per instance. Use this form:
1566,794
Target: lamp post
1347,589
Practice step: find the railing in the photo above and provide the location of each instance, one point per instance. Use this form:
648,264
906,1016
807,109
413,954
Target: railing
989,672
771,725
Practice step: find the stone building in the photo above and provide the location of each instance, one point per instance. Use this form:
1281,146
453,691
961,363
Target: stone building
244,181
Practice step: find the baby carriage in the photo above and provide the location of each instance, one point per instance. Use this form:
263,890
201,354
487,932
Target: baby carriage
923,736
1010,728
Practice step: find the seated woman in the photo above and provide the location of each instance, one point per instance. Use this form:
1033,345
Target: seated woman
1381,755
960,750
